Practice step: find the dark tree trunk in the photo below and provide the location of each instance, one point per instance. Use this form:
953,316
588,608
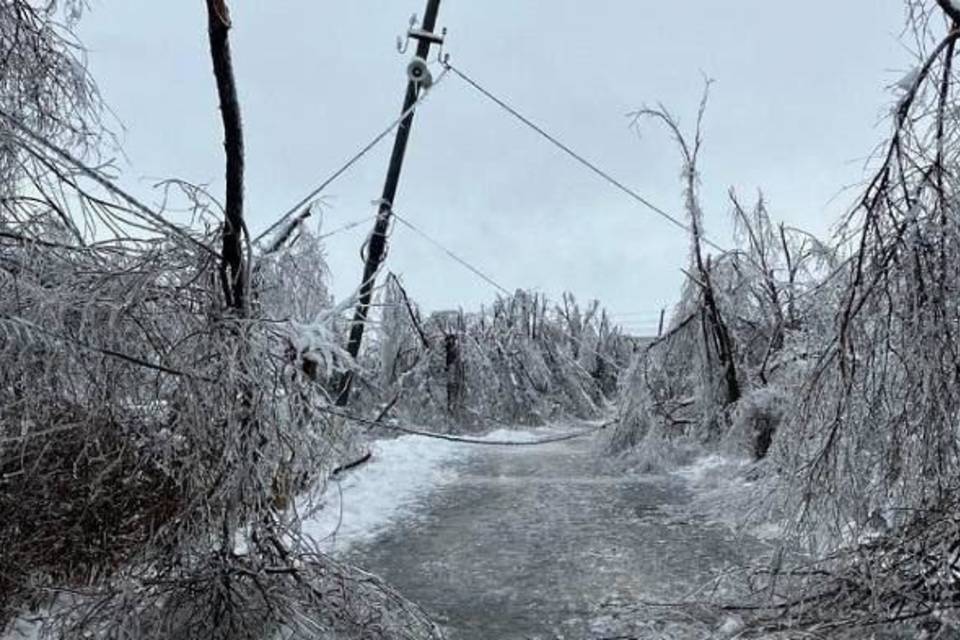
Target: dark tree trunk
233,276
763,438
454,370
232,268
721,336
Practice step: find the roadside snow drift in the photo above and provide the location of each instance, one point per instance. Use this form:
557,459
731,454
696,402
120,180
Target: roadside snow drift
401,472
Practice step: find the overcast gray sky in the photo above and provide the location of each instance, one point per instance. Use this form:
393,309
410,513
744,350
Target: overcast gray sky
798,103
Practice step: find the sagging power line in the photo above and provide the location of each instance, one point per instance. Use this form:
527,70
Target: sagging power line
475,270
605,175
482,275
354,159
418,86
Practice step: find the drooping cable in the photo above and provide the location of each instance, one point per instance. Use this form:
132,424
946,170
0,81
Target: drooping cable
466,439
483,276
480,274
578,157
351,161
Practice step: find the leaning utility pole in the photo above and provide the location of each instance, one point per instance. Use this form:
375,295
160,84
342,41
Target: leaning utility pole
418,81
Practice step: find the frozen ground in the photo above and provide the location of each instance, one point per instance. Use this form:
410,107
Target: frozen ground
541,542
392,486
364,501
532,543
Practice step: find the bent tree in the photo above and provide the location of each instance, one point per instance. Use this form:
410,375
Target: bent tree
151,423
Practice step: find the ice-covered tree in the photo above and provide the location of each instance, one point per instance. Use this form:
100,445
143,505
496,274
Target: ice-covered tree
159,430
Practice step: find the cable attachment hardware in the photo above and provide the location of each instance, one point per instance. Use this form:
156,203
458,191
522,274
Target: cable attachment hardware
421,35
441,56
419,73
430,36
402,44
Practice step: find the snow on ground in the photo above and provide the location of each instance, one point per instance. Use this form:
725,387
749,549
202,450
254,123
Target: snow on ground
401,472
708,470
368,499
724,493
23,628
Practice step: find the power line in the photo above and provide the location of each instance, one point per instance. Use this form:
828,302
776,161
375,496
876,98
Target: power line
635,314
345,227
579,158
466,439
476,271
451,254
352,161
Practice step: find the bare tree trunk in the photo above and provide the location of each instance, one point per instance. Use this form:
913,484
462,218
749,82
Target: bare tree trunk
414,316
718,329
717,333
952,11
232,271
455,374
233,277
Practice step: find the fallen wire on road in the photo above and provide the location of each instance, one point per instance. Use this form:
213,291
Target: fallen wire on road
366,457
351,465
466,439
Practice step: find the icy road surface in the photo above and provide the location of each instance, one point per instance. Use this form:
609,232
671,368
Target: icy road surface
542,543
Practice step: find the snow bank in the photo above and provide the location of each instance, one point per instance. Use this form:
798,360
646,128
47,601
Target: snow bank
401,473
365,501
723,494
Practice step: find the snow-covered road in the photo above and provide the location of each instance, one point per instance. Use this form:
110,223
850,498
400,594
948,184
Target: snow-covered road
392,486
529,542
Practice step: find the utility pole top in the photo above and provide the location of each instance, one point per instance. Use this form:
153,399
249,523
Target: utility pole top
418,78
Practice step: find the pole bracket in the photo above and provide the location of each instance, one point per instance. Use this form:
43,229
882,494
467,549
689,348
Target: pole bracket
429,36
420,35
